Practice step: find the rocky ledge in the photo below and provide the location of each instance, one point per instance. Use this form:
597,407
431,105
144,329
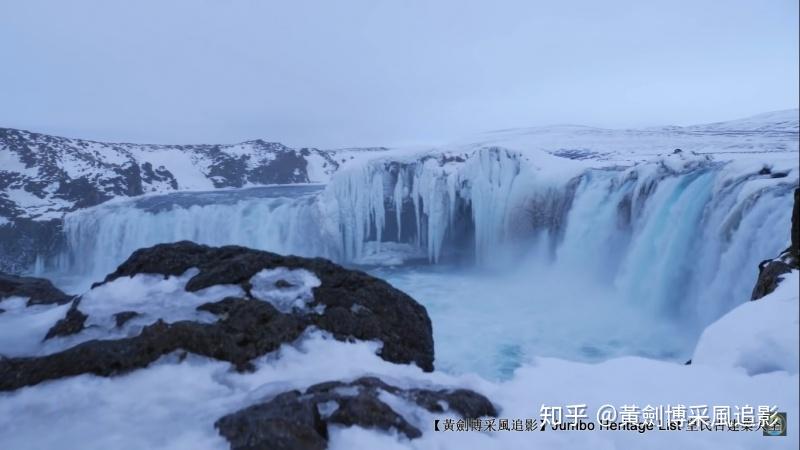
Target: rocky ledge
236,304
38,291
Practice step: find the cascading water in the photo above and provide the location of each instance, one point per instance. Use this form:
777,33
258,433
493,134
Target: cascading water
676,241
283,219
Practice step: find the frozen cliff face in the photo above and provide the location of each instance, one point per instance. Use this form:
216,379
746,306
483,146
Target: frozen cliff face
424,201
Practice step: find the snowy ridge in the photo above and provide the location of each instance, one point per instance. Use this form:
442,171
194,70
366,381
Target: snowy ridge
785,121
44,177
774,132
41,176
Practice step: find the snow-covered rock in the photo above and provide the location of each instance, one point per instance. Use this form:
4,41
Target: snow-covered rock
229,303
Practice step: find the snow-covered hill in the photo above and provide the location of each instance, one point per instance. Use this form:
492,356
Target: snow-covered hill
773,132
42,176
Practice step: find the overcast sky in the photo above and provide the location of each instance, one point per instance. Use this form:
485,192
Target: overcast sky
342,73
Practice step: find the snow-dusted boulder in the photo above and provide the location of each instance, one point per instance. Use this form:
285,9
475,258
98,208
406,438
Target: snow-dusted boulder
347,303
297,420
230,303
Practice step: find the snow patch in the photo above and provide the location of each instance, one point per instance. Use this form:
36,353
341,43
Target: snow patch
153,296
187,168
758,336
284,288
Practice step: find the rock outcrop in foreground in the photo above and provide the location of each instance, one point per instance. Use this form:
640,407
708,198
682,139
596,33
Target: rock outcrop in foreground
355,305
298,420
236,304
348,304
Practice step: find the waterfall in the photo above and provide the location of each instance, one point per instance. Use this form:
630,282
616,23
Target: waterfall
683,244
682,237
279,219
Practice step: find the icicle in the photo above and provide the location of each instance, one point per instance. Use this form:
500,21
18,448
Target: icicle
398,203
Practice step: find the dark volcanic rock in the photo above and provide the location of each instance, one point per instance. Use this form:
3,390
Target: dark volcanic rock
466,403
285,423
72,323
247,329
357,305
39,290
121,318
296,420
366,410
769,273
283,284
